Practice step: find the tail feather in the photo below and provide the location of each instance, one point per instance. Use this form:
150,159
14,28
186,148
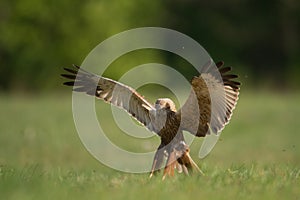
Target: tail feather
182,161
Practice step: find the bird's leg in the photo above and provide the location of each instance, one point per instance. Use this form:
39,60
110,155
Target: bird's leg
158,160
170,165
180,159
184,158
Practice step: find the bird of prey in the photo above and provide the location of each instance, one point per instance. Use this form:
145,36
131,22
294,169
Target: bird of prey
198,115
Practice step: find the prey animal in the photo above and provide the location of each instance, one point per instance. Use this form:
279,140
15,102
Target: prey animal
208,108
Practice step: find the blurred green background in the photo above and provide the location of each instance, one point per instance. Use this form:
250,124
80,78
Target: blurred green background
260,39
41,156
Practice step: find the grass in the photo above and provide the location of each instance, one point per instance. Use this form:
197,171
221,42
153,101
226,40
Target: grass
41,156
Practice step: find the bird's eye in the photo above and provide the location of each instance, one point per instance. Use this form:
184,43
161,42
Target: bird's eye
167,105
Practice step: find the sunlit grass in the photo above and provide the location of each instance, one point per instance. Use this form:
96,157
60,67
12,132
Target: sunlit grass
41,156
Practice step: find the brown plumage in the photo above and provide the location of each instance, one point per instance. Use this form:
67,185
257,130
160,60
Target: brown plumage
208,108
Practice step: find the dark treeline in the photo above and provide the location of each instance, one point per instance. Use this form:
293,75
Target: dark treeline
260,38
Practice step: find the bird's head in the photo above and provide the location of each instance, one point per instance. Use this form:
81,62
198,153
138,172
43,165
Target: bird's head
166,104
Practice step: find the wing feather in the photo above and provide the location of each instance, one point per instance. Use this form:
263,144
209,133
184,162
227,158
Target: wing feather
211,101
111,92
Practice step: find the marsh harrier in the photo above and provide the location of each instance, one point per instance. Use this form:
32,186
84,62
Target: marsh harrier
198,115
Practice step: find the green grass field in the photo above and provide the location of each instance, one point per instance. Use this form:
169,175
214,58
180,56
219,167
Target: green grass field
41,156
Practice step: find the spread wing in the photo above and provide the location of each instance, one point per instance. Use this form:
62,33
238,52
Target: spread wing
110,91
212,99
